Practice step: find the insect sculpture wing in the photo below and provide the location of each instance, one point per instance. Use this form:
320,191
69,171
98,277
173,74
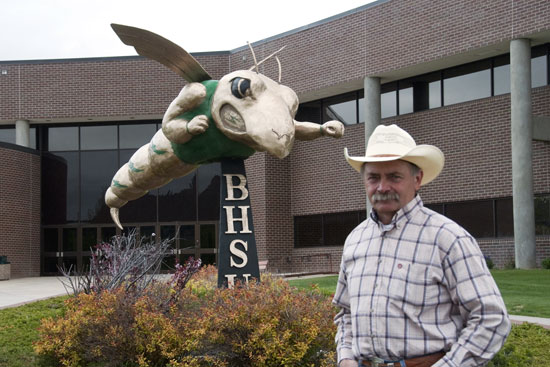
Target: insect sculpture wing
155,47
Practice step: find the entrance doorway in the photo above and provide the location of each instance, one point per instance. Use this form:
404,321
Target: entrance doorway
70,247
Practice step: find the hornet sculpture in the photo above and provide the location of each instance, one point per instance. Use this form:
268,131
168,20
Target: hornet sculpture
241,113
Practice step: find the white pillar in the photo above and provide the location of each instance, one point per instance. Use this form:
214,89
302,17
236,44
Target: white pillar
373,111
22,133
522,155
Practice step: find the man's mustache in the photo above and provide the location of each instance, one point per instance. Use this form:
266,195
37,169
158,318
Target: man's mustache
385,197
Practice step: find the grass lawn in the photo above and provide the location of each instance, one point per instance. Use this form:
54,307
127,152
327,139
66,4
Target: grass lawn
18,329
525,292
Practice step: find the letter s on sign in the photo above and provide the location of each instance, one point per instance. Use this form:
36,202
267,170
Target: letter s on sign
239,253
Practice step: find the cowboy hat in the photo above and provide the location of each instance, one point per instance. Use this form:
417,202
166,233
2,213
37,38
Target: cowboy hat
389,143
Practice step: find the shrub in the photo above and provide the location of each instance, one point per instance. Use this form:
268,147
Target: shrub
262,324
526,346
546,263
127,261
489,262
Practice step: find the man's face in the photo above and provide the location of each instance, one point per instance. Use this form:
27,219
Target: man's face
390,186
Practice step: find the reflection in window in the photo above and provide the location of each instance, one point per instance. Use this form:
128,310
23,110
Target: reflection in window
467,82
501,75
60,187
308,230
187,236
143,209
69,239
405,100
208,236
542,215
325,229
475,216
134,136
98,137
107,233
62,138
89,239
97,170
505,217
178,199
51,240
388,100
7,135
208,188
538,71
342,108
309,112
338,226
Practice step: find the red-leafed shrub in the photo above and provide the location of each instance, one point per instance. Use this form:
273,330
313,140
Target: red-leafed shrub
260,324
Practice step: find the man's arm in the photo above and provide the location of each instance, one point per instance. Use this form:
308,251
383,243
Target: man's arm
473,289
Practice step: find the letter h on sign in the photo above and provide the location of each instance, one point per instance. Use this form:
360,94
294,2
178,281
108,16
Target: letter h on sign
237,257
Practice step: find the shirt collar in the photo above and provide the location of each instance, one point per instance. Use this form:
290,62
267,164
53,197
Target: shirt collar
402,215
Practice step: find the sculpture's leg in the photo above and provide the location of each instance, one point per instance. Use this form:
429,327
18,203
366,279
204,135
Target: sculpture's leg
237,255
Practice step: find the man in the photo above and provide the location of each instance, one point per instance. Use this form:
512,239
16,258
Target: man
414,289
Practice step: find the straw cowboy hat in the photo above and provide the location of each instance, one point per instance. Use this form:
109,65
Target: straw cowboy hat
389,143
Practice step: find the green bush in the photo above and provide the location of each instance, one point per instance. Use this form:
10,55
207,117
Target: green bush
489,262
526,346
546,263
262,324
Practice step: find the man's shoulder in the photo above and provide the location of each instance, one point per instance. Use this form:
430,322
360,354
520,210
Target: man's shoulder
442,225
357,232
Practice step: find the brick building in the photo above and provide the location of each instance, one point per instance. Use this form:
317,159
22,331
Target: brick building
442,70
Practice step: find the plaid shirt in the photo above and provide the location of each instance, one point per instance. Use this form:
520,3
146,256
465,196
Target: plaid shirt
416,286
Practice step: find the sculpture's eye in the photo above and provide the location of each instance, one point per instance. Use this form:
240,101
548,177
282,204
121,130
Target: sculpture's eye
240,87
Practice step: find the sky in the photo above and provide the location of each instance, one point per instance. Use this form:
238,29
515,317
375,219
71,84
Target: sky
63,29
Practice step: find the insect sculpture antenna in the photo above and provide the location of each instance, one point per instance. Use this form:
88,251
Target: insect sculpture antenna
254,57
280,68
267,58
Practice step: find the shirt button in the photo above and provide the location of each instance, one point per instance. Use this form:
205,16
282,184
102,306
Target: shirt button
380,261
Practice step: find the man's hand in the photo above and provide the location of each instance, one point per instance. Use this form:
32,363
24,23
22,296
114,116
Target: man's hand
348,363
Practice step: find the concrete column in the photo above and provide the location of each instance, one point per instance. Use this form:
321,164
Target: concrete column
22,133
373,111
522,157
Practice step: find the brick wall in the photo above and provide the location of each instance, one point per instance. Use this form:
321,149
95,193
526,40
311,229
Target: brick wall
20,209
390,39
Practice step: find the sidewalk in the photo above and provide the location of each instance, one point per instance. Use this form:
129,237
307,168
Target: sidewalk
17,292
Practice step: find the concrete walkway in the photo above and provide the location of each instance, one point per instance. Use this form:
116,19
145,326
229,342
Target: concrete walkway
17,292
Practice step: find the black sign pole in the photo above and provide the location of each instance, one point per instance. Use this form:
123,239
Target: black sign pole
237,255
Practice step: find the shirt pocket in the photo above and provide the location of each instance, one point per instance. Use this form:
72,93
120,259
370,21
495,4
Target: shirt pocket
412,284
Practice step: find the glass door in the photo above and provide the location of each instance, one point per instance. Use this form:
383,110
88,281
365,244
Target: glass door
60,250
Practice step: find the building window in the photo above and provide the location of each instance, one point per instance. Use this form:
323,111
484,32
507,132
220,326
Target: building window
501,75
342,108
7,135
325,229
388,100
63,139
98,137
134,136
309,112
539,67
475,216
542,215
467,82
